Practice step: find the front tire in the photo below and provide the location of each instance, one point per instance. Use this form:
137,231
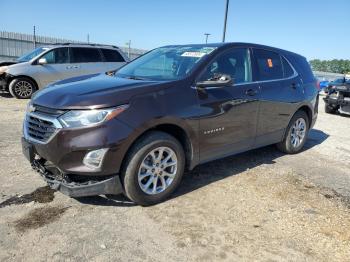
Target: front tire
296,134
153,168
22,88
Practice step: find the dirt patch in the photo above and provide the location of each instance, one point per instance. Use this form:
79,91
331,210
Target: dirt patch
39,217
40,195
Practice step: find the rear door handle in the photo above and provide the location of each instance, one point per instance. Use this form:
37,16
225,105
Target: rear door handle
294,85
251,92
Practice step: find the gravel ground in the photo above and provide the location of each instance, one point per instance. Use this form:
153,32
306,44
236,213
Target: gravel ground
260,205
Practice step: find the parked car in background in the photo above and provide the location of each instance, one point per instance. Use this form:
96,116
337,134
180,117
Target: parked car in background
324,84
169,110
338,99
336,82
48,64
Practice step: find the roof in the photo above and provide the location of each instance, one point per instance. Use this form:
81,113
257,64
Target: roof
237,44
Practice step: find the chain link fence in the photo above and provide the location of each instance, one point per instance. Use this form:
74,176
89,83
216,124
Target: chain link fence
14,45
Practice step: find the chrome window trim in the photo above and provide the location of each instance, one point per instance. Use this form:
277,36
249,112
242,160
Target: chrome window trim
295,74
53,120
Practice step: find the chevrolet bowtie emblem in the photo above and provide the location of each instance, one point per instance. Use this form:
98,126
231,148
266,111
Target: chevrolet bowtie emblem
31,109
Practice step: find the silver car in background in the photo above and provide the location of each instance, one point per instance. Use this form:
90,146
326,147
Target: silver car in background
48,64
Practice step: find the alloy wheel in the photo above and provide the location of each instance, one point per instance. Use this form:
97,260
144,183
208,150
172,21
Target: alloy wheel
157,170
298,132
23,89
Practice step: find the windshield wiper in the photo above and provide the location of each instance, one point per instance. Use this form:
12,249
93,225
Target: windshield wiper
136,78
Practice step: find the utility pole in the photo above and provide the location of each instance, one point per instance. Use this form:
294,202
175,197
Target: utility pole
128,45
88,38
206,37
34,37
225,22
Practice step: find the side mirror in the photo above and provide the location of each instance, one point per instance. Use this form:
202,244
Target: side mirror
217,81
42,61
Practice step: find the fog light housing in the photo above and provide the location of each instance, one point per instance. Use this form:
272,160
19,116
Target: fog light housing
94,158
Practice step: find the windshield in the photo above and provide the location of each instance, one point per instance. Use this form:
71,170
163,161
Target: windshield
29,56
165,63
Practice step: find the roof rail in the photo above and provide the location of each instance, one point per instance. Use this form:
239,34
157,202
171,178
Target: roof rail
85,44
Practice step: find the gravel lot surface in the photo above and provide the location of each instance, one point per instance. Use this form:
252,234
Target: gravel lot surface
260,205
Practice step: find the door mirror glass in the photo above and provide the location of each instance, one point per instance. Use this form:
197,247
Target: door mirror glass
42,61
219,80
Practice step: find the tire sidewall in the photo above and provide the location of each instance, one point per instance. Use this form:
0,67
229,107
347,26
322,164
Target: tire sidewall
131,184
13,84
290,148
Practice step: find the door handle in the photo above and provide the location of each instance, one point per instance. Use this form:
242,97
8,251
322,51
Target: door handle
251,92
294,85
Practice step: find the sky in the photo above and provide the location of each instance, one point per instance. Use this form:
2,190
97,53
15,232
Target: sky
313,28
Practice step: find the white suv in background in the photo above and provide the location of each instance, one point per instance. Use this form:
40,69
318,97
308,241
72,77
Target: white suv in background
48,64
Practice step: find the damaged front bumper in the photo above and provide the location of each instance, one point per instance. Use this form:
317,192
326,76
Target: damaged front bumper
69,184
4,81
338,102
108,186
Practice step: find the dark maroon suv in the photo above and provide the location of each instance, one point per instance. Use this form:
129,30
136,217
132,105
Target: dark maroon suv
136,130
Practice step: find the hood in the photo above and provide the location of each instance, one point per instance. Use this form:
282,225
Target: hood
93,91
7,63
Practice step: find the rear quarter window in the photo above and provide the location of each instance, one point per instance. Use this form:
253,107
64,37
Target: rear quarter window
302,66
85,55
287,69
111,55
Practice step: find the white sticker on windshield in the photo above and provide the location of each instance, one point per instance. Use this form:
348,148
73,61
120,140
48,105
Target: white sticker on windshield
194,54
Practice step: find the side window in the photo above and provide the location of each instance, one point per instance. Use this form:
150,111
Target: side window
111,55
85,55
57,56
287,69
269,65
235,63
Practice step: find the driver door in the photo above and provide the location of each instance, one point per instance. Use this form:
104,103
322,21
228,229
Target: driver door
229,114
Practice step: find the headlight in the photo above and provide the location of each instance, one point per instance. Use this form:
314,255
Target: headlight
82,118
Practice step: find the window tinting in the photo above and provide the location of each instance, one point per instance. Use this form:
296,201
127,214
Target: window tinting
287,69
111,55
85,55
234,63
269,65
57,56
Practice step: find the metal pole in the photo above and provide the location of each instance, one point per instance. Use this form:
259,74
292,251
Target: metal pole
225,22
206,37
88,38
129,44
34,37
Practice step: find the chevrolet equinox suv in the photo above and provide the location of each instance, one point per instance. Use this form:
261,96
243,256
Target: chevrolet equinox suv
137,130
47,64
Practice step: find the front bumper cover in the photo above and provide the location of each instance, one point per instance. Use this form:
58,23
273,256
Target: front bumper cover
111,185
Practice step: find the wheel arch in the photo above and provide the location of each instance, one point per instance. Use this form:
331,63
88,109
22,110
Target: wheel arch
175,130
308,112
23,76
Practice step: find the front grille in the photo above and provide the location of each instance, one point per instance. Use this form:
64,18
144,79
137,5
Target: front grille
39,129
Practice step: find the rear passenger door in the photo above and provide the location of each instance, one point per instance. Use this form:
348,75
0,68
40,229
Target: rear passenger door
281,91
112,59
86,60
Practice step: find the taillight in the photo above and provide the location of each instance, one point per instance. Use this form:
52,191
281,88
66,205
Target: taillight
318,84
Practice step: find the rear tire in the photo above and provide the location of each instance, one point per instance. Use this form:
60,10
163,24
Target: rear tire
149,175
22,88
296,134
